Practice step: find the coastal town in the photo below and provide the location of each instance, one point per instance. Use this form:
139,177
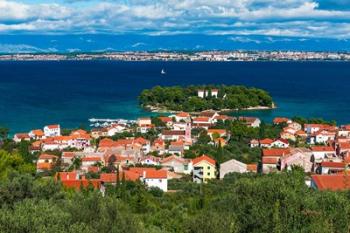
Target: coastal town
155,150
214,56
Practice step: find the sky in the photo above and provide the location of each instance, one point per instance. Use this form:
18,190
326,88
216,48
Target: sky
90,25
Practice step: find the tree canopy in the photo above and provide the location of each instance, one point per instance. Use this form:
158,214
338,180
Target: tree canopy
179,98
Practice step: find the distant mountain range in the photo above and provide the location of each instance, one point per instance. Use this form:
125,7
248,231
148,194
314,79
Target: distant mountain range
104,43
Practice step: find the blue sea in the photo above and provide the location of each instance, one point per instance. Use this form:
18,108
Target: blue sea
33,94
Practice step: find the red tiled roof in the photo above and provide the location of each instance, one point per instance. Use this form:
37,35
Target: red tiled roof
166,119
173,132
156,174
38,132
219,131
201,119
279,120
203,158
66,175
333,164
322,148
182,114
275,152
172,157
266,160
332,182
88,159
266,141
53,126
47,156
77,184
253,167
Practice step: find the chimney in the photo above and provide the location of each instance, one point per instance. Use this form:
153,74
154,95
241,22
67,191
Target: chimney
144,174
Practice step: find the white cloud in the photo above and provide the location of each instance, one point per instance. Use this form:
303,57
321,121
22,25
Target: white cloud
167,17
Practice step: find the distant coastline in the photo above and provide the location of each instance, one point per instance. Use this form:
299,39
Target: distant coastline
210,56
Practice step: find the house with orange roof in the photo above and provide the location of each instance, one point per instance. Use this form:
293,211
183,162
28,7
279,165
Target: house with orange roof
321,153
182,116
171,135
344,131
176,147
218,132
266,142
111,178
152,177
288,136
322,137
158,145
72,180
204,169
99,132
334,182
87,162
251,121
211,114
150,160
280,120
301,134
201,122
36,134
168,121
271,158
68,157
18,137
114,129
280,143
52,130
328,167
46,162
313,128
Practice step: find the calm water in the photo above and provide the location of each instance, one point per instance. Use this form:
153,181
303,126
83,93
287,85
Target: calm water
33,94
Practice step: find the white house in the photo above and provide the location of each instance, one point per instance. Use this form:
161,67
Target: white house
251,121
280,143
173,134
154,178
150,160
177,164
183,116
324,136
18,137
321,152
201,93
113,129
52,130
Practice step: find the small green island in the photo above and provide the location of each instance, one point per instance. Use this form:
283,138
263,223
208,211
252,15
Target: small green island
204,97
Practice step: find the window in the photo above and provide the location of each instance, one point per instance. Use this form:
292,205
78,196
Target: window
160,181
208,167
186,167
208,173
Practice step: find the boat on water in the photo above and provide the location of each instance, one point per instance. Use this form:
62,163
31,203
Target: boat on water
162,72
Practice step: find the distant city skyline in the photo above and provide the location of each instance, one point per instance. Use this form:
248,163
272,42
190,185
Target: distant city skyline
129,25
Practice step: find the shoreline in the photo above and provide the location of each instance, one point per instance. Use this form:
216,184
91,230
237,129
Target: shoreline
155,109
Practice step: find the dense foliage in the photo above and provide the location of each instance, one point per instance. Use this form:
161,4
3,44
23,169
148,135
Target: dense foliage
239,203
185,98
